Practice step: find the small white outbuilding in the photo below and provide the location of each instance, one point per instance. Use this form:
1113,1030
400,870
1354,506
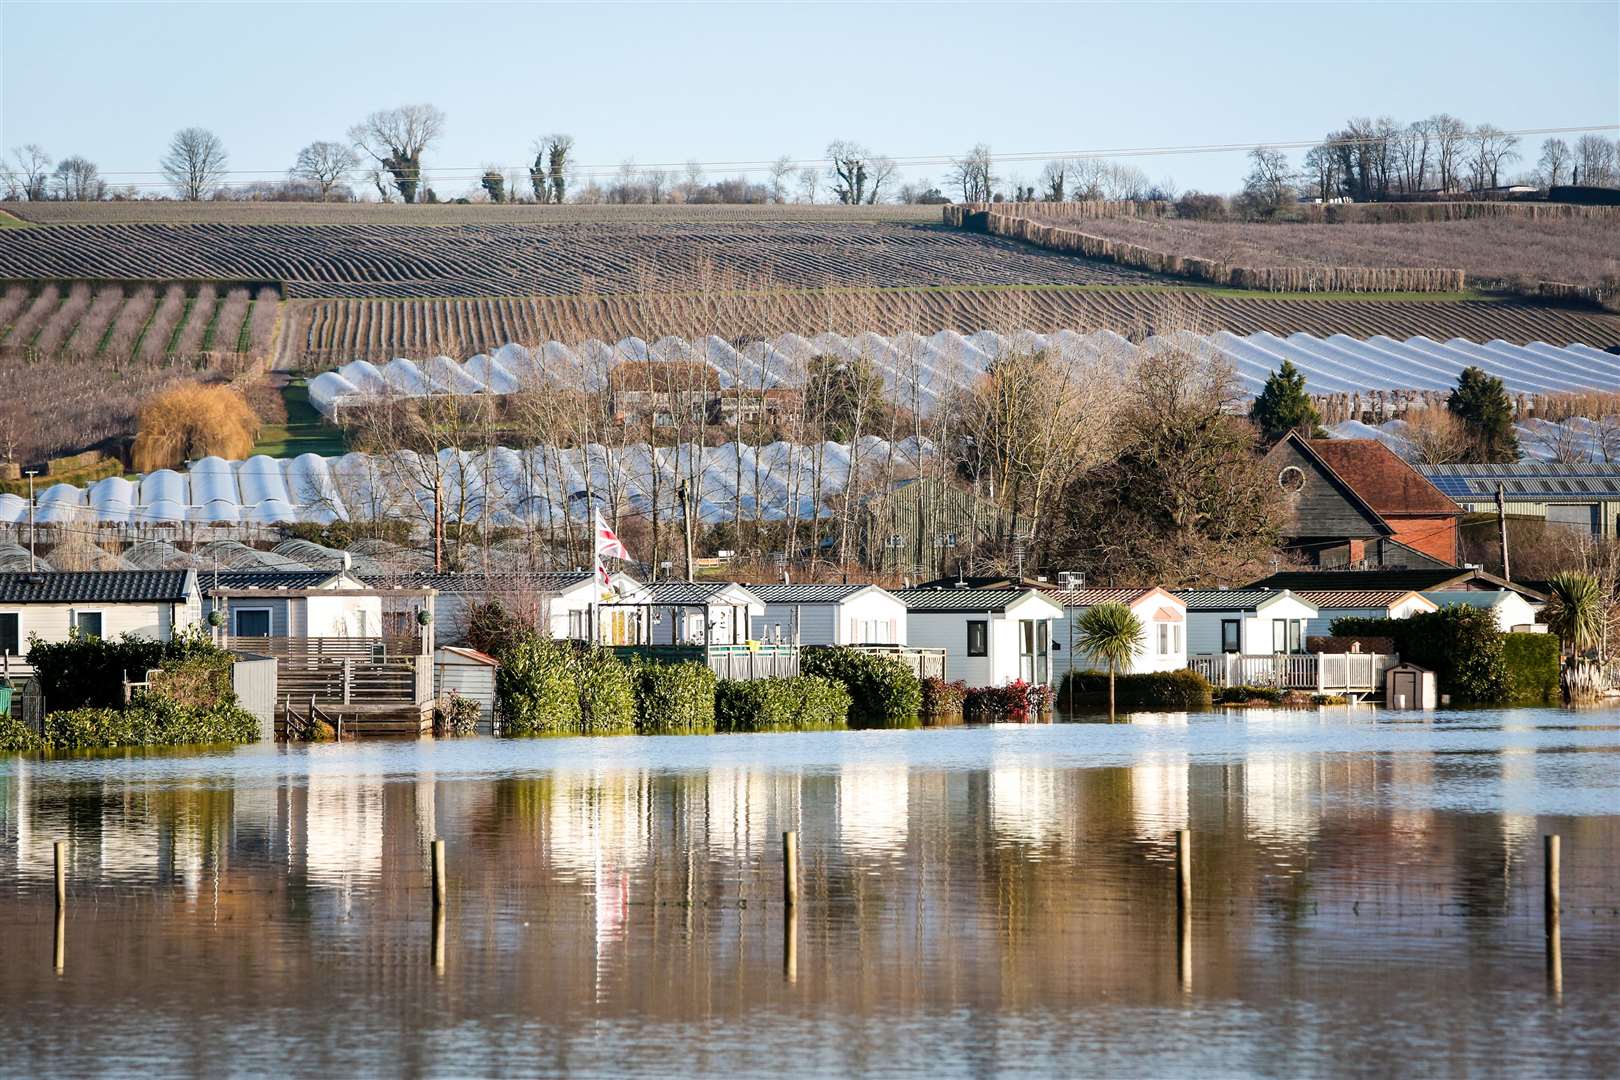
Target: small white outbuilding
469,673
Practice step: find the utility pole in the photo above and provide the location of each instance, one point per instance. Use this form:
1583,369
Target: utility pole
1501,529
32,563
686,525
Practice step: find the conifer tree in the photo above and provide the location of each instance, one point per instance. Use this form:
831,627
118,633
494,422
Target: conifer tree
1481,403
1284,406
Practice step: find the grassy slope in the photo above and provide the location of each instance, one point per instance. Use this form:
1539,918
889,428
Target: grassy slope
305,432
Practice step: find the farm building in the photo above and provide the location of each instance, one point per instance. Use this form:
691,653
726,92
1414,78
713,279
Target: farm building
991,637
830,615
1250,621
469,673
94,603
1163,615
1583,497
1358,604
1513,612
557,604
294,604
1344,498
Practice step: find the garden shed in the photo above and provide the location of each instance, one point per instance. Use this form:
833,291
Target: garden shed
469,673
1408,686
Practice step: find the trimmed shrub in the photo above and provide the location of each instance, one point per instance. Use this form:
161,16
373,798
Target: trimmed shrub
1244,695
1017,700
607,701
535,691
151,721
941,698
802,703
1532,668
455,715
674,699
1183,689
884,690
1460,644
16,737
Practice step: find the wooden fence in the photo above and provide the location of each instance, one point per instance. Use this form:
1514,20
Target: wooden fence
405,680
763,661
317,648
925,663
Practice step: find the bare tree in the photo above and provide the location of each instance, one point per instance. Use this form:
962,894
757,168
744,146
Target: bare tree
326,165
1554,163
548,176
195,163
1054,175
972,175
33,171
1450,134
1414,145
1595,161
1269,185
1322,172
1436,436
397,138
809,181
77,179
782,170
1491,148
849,170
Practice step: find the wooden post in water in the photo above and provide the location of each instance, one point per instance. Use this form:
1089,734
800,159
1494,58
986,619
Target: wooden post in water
790,944
61,874
438,875
60,952
1549,893
438,939
1183,870
790,868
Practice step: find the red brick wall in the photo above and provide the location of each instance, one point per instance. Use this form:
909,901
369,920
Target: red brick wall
1435,536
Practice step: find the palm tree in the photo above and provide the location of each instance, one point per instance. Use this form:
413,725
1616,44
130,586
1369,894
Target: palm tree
1111,633
1576,612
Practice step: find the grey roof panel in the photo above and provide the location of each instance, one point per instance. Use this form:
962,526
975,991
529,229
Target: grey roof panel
94,587
805,594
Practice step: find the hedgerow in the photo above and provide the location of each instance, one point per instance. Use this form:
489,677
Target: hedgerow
674,699
884,691
800,703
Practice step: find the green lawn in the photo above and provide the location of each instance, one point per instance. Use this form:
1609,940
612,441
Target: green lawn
305,432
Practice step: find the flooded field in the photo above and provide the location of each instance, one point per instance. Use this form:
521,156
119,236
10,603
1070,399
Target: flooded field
1367,899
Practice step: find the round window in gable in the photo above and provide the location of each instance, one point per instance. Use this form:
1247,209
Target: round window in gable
1291,479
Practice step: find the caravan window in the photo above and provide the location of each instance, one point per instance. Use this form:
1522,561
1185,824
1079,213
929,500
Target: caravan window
978,637
11,633
251,622
88,624
1231,636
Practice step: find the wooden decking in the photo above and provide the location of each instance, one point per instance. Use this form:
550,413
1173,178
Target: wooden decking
1322,673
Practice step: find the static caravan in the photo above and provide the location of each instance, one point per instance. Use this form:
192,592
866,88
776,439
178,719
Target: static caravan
692,612
830,614
991,637
559,604
1163,646
293,604
1334,604
95,603
1254,622
1513,612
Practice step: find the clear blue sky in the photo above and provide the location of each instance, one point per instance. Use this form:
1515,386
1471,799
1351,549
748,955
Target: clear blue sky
672,82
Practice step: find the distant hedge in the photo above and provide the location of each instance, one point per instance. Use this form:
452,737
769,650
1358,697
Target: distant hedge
802,703
1532,668
88,672
1460,644
884,692
1182,689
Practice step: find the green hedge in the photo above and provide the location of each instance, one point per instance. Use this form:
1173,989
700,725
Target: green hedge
15,736
1460,644
1532,668
151,721
87,672
1243,694
548,687
1183,689
803,703
674,699
534,689
884,691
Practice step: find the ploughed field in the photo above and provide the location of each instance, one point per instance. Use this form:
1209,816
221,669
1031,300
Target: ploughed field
163,212
557,260
331,332
1491,251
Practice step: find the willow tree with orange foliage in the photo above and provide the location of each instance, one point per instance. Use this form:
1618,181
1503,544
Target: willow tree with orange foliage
192,420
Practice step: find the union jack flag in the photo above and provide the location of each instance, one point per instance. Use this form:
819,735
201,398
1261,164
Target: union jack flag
608,543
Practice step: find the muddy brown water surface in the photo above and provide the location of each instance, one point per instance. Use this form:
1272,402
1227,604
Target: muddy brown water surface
976,901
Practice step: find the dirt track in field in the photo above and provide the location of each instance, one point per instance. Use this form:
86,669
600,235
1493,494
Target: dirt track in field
341,330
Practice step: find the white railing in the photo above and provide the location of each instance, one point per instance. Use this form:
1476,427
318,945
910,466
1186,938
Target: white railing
1361,673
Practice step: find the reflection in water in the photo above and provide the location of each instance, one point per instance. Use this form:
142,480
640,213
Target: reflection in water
980,900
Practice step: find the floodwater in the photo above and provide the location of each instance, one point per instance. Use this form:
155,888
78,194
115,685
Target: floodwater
1367,899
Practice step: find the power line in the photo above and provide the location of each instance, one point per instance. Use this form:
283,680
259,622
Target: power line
582,172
